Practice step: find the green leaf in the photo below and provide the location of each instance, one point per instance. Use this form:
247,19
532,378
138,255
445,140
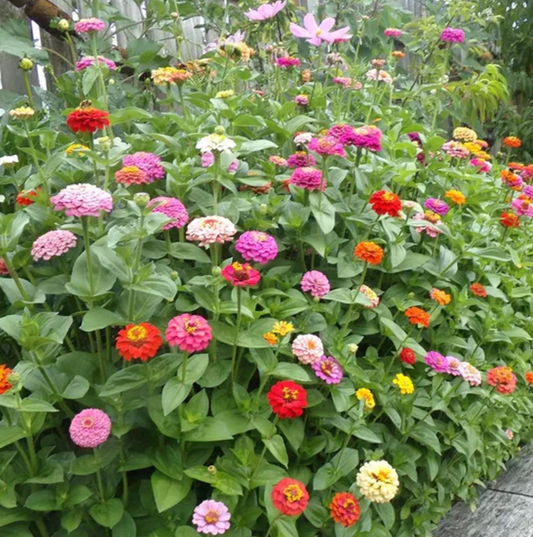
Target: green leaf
169,492
386,513
212,430
186,250
77,388
90,76
107,514
364,433
124,380
256,145
126,527
103,278
276,446
285,370
130,113
8,435
36,405
32,294
423,434
323,211
99,318
174,393
42,500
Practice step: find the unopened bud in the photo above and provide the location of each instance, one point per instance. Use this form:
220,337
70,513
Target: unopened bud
112,82
174,275
26,64
63,25
104,143
410,296
212,469
220,130
13,378
216,271
353,348
175,15
263,208
141,199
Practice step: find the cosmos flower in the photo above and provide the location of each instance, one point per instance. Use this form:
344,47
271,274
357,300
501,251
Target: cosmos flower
265,11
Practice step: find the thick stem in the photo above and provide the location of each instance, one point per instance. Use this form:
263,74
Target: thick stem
87,242
99,476
16,279
237,328
27,85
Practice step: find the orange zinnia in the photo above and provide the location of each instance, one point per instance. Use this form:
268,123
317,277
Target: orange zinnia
478,290
456,196
418,316
529,377
370,252
512,141
5,385
440,297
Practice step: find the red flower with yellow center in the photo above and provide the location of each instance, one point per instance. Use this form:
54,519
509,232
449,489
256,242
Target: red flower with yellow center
241,275
509,220
478,290
86,118
287,399
5,385
25,198
370,252
290,497
418,316
512,141
138,341
408,356
384,202
344,509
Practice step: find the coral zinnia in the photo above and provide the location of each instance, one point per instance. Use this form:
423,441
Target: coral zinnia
529,377
370,252
512,141
241,275
86,118
190,333
131,175
456,196
407,356
503,379
27,198
141,341
5,385
440,297
344,509
384,202
418,316
287,399
478,290
290,497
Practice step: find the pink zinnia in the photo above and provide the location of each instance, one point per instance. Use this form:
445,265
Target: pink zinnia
392,32
455,366
257,246
483,166
509,433
300,159
265,11
208,159
148,163
3,268
523,206
190,333
437,362
211,517
342,81
287,62
131,175
437,206
308,178
328,369
90,428
326,146
208,230
452,35
308,348
471,374
89,25
367,137
82,200
455,149
432,229
87,61
301,100
173,208
53,244
316,283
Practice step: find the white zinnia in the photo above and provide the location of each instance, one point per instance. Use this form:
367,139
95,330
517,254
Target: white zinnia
378,481
9,160
215,143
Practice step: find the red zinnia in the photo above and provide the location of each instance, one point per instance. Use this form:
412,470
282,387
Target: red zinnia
140,341
27,198
287,399
503,379
478,290
384,202
408,356
509,220
241,275
344,509
529,377
290,497
86,118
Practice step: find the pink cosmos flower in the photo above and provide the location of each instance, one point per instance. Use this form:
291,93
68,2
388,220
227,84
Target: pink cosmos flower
265,11
300,159
326,146
317,34
392,32
437,206
211,517
316,283
483,166
287,62
257,246
92,24
328,369
308,178
148,163
131,175
53,244
173,208
307,348
87,61
452,35
208,230
523,206
190,333
437,362
471,374
82,199
90,428
433,220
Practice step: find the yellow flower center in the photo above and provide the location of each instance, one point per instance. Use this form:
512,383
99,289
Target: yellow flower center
211,517
293,493
137,333
382,475
289,395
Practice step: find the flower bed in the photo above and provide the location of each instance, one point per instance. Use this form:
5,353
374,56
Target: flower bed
258,295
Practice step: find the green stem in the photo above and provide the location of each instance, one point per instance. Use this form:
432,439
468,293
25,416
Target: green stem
184,367
168,240
27,85
99,476
136,267
237,328
87,242
16,279
215,184
323,180
44,185
100,350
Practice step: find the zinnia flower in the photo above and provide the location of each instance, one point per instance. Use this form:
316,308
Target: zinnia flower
512,141
378,481
140,341
216,143
211,517
9,161
371,295
328,369
523,206
308,178
23,112
503,379
5,385
440,297
344,509
384,202
270,338
455,149
257,246
379,75
433,219
86,118
25,198
529,377
276,160
407,356
82,199
437,206
327,146
482,165
392,32
478,290
208,230
452,35
368,397
131,175
404,383
369,252
418,316
509,433
367,137
265,11
282,328
91,24
316,283
470,374
300,159
90,428
287,399
171,207
4,271
76,149
290,497
190,333
53,244
87,61
286,62
301,100
456,196
307,348
149,163
241,275
464,134
437,362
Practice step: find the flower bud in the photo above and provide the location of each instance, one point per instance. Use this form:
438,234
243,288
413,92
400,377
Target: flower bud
63,25
220,130
316,299
26,64
410,296
141,199
174,275
175,15
263,208
13,378
212,469
111,81
353,348
104,143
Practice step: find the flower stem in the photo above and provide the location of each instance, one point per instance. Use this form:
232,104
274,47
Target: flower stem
86,240
27,85
215,184
99,475
16,279
237,328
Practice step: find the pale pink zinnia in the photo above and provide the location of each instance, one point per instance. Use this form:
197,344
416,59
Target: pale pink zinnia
509,433
90,428
257,246
471,374
455,366
131,175
316,283
91,24
190,333
173,208
211,517
208,230
379,75
307,348
53,244
87,61
82,199
455,149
